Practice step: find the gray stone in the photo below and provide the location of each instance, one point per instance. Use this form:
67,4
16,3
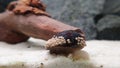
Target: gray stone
77,13
57,7
109,27
111,6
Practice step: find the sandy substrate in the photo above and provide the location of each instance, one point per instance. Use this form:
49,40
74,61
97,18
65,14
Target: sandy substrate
32,54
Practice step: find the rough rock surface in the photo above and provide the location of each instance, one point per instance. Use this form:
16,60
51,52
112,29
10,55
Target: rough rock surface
108,24
111,6
109,27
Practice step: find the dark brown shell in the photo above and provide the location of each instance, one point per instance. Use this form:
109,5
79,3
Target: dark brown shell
66,47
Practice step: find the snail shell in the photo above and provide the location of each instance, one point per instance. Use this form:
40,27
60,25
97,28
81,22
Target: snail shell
65,42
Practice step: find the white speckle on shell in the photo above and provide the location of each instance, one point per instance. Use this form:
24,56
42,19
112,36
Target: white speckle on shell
80,41
68,40
55,41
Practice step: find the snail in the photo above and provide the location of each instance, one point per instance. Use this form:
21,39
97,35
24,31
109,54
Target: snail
65,42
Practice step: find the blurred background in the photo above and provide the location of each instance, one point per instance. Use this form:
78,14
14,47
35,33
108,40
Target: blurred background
99,19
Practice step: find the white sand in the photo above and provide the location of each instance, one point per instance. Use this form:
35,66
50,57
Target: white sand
97,54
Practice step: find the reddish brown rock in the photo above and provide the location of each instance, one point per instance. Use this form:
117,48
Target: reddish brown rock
35,22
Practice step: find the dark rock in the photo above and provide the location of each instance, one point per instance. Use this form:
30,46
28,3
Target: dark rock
111,7
98,17
3,4
109,28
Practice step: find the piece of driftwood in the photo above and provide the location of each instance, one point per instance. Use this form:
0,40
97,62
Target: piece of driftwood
18,24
